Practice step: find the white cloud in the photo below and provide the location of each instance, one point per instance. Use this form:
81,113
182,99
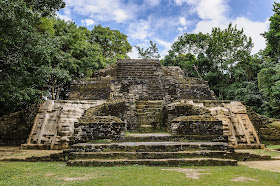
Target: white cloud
152,2
166,45
214,14
64,17
183,21
253,29
139,30
106,10
213,9
120,15
180,2
88,22
133,54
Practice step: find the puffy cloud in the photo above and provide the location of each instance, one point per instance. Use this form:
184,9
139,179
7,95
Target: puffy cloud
152,2
166,45
214,9
139,30
133,54
253,29
180,2
109,10
183,21
214,14
64,17
88,22
120,15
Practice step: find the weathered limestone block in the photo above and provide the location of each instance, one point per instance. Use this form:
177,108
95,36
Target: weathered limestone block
54,123
197,125
183,108
99,127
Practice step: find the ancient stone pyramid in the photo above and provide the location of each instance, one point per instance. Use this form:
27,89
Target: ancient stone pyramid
144,97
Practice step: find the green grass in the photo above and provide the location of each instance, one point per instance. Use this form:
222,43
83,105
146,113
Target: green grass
273,147
23,173
266,151
276,124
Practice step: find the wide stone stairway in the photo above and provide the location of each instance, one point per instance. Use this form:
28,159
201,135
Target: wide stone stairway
153,149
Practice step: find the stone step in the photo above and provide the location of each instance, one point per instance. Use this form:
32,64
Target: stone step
146,128
168,137
150,102
149,146
148,107
174,162
146,155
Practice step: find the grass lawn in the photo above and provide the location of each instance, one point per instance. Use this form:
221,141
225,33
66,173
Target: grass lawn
267,151
46,173
276,124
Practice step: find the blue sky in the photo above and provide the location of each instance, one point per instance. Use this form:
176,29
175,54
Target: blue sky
162,21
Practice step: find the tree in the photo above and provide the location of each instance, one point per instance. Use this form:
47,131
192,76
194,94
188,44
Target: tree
269,85
273,35
269,76
150,53
23,53
45,7
218,54
75,57
113,43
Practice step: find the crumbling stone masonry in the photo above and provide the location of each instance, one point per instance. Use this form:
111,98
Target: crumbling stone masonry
140,96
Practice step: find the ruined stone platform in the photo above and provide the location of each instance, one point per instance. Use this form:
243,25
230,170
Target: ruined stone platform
162,146
142,96
155,162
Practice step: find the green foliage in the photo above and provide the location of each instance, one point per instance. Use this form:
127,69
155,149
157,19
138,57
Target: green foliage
221,57
273,35
45,7
46,25
113,43
269,76
23,52
150,53
269,85
40,55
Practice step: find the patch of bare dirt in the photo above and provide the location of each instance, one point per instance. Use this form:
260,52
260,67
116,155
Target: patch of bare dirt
190,173
86,177
273,166
49,174
242,179
16,152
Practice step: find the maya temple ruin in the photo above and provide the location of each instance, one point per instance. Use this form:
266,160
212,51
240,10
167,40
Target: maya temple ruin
140,112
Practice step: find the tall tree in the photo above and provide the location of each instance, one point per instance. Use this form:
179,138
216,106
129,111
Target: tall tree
217,55
273,35
149,53
113,43
23,53
269,76
45,7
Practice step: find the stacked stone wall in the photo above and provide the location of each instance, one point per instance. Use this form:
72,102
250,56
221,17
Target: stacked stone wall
140,80
90,89
99,127
197,125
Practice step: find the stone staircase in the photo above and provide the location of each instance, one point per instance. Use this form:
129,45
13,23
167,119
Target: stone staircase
54,124
140,71
152,153
237,125
149,114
